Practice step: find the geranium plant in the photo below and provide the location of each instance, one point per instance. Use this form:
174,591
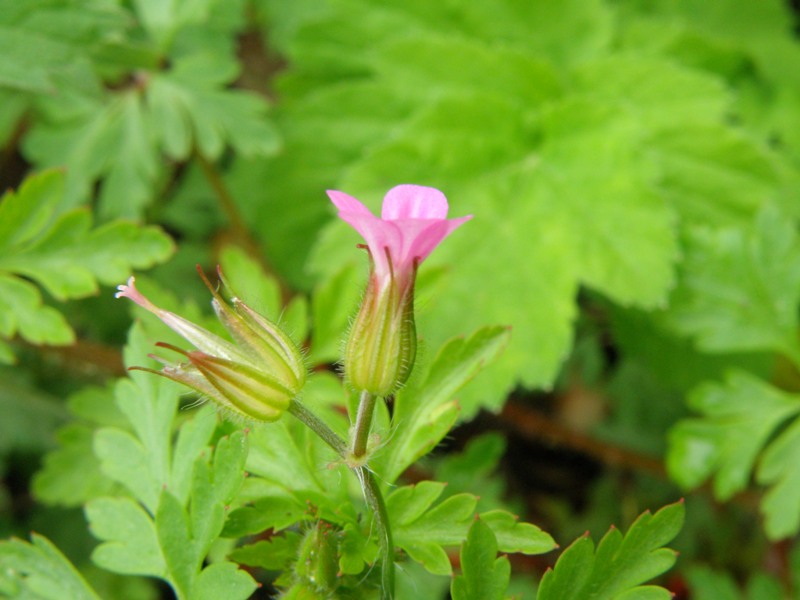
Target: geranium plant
356,400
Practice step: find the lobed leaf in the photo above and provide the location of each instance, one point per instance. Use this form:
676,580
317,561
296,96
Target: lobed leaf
129,539
422,529
41,571
426,410
739,417
620,564
484,575
63,254
740,287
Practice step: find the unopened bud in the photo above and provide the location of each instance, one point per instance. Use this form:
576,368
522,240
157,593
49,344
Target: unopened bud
382,344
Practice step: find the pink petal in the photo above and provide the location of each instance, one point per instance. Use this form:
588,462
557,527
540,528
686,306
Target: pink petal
414,202
347,204
379,235
422,237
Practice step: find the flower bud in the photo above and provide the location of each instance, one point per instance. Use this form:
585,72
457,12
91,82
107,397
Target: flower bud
317,561
256,378
382,343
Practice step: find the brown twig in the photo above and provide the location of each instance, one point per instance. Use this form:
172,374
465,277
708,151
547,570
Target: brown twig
87,358
534,425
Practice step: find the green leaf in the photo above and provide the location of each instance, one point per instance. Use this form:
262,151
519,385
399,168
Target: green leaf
183,529
740,287
781,504
214,487
292,462
459,65
70,259
71,475
710,585
273,554
190,103
715,176
162,20
193,439
584,174
125,460
49,44
62,253
42,571
264,513
738,419
256,289
31,60
140,460
422,529
513,536
426,409
130,542
484,576
223,580
474,468
177,546
620,564
104,138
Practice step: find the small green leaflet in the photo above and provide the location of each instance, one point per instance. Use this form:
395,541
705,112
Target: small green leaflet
48,43
484,575
778,469
738,417
71,474
64,254
620,565
173,545
423,530
747,427
130,543
423,527
39,570
427,408
191,105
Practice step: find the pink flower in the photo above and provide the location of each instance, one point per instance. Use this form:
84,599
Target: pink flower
413,222
382,344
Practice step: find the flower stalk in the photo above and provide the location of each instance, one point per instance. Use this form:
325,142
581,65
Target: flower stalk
361,429
369,487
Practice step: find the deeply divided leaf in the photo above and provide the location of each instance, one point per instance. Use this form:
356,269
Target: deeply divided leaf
620,564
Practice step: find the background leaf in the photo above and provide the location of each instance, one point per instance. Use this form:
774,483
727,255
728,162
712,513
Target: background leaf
41,571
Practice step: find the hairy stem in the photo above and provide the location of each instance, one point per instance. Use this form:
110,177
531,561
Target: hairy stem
312,421
374,498
369,487
366,407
